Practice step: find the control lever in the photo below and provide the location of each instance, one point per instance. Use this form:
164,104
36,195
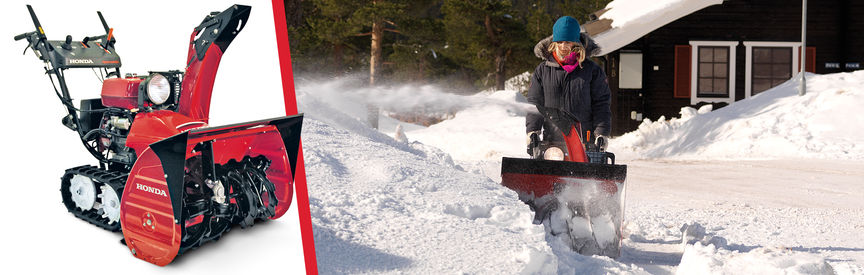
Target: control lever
24,35
68,45
32,45
109,32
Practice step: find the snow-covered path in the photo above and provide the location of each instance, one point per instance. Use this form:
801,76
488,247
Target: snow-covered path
812,206
770,183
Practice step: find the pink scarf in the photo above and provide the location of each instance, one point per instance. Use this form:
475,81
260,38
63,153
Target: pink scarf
569,63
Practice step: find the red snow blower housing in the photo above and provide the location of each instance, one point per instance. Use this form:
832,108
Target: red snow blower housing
165,178
573,190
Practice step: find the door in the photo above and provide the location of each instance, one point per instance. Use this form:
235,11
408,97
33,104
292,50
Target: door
630,107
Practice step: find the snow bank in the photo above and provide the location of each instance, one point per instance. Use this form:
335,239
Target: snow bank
774,124
384,206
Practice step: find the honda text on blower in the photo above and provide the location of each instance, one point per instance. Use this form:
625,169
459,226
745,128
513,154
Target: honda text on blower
165,178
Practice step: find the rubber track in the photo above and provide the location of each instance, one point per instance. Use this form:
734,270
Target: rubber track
117,180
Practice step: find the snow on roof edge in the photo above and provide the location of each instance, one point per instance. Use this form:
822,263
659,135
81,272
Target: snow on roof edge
617,37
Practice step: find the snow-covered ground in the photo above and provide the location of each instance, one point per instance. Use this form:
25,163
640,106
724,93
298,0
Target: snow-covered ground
771,184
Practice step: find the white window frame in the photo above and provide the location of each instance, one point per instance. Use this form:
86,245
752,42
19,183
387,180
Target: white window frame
694,71
748,78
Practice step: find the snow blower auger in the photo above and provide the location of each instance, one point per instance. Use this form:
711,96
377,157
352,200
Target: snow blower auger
166,178
572,188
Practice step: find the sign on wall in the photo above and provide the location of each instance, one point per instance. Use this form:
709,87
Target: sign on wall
630,71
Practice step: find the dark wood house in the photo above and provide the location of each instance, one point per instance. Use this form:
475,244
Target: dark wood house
725,52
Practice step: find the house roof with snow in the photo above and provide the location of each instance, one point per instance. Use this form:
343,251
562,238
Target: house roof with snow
625,21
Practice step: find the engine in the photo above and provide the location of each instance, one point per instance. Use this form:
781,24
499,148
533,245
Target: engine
107,120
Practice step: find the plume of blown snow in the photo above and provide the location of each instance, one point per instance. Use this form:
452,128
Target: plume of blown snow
351,97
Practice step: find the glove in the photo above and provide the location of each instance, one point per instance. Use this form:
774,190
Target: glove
533,141
602,142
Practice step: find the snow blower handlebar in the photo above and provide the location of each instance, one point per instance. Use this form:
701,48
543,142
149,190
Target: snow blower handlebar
580,145
36,38
61,55
38,32
85,56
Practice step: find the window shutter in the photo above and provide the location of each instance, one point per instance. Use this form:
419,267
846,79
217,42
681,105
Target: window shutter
682,71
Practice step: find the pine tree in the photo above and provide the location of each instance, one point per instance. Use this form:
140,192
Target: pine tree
416,48
484,35
334,26
379,15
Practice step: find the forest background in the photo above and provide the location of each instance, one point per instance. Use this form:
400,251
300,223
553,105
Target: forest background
458,45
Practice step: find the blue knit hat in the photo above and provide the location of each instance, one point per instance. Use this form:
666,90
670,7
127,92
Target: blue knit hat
566,29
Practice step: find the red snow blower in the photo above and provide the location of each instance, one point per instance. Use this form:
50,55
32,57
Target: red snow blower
571,186
165,178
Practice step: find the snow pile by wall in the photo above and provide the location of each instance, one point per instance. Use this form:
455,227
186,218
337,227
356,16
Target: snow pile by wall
777,123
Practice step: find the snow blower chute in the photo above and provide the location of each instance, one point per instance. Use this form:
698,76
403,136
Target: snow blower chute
571,186
165,178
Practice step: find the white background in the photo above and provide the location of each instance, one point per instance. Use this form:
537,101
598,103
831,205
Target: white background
37,234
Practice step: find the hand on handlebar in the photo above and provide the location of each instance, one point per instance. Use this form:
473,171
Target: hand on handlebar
602,142
533,142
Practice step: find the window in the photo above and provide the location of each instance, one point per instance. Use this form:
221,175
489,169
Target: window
713,72
771,67
770,63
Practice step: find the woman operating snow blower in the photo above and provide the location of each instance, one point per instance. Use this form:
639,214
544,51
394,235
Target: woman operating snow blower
575,193
567,80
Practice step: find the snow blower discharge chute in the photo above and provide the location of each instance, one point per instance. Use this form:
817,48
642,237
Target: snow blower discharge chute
165,178
572,188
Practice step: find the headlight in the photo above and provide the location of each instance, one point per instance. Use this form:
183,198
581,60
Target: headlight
553,153
158,89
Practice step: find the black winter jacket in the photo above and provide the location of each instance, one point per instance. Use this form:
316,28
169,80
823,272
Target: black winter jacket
583,92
